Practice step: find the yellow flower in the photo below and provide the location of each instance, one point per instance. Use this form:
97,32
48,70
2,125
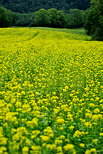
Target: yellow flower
51,146
86,89
44,138
60,121
18,104
96,110
78,133
35,133
27,142
36,93
93,150
88,115
54,93
22,130
96,117
48,131
26,108
92,105
69,147
82,145
36,149
25,150
66,87
95,141
88,151
101,134
3,150
88,124
57,141
3,140
67,140
97,98
62,137
56,110
71,127
9,116
44,145
59,149
64,90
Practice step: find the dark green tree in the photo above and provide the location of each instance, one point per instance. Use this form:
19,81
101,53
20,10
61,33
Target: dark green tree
6,17
94,20
23,19
62,19
41,18
76,18
57,18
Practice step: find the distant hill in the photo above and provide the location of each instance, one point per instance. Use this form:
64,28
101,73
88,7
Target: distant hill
25,6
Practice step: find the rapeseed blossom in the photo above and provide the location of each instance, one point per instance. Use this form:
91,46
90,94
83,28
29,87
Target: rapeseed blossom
51,96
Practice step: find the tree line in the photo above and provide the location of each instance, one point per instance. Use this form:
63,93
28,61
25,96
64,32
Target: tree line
74,18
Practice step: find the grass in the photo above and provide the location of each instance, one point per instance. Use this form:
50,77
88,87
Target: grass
77,32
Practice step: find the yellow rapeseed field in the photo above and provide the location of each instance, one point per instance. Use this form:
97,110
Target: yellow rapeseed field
51,98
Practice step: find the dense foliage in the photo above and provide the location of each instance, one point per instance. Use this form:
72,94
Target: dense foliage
56,18
23,19
44,18
94,20
51,98
6,17
75,18
34,5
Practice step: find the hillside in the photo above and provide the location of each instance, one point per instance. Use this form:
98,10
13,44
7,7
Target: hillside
34,5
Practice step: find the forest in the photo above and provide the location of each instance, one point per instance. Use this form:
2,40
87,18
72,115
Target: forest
34,5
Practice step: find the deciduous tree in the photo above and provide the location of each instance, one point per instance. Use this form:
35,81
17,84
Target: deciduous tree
94,20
